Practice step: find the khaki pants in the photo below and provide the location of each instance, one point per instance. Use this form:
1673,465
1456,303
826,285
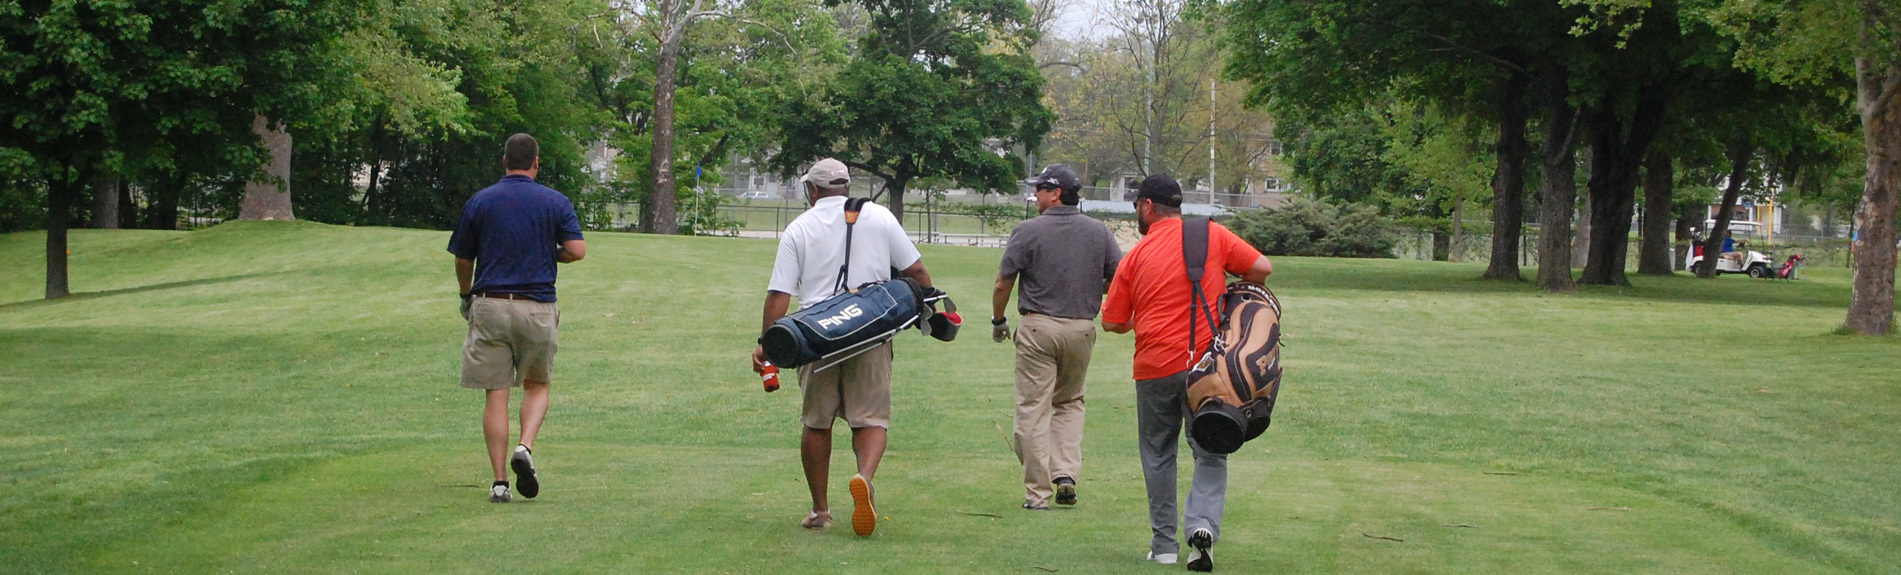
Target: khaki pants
1052,360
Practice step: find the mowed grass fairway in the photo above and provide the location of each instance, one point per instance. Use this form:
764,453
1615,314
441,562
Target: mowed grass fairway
281,398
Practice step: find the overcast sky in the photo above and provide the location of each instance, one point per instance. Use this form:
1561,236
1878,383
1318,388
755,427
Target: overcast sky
1078,19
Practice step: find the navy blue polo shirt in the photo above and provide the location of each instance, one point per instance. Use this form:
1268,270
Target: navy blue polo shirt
513,230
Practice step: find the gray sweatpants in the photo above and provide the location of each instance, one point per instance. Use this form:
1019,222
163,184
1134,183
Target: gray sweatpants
1161,407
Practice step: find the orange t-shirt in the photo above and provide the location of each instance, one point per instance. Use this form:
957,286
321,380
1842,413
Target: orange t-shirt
1151,286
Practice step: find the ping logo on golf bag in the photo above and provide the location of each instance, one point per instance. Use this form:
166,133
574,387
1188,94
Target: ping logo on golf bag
841,317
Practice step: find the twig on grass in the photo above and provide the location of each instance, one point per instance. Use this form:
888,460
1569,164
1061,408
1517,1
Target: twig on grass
1043,569
1382,537
982,514
462,485
1608,509
1500,473
1465,525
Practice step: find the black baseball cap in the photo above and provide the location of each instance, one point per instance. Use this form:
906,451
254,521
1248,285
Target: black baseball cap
1057,175
1162,189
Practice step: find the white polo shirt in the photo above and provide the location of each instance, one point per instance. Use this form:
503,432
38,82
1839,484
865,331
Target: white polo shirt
813,247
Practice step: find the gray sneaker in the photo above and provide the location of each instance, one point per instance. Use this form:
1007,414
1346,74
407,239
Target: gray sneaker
499,493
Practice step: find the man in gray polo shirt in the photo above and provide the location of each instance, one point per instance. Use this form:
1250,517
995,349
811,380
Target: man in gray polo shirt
1066,260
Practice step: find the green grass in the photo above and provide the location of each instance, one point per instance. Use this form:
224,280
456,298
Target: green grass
281,398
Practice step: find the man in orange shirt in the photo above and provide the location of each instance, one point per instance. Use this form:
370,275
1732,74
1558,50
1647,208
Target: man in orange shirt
1151,295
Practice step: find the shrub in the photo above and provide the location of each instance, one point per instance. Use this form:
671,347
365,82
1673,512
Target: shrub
1311,228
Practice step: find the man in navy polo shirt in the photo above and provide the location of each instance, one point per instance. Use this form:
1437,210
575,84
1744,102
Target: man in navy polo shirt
506,246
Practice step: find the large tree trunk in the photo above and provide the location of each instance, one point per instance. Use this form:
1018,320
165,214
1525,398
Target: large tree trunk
1871,307
105,202
894,188
1557,197
61,189
161,202
1740,152
1458,230
658,214
128,211
1581,241
1615,159
1653,257
1508,180
270,199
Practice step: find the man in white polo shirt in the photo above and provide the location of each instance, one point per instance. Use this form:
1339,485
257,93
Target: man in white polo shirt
858,390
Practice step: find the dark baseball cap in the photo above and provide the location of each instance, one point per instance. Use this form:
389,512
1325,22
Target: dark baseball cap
1056,175
1162,189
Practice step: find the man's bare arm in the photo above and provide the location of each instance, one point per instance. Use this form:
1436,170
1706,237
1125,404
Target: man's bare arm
1259,271
571,251
918,274
776,304
1000,297
464,274
1117,327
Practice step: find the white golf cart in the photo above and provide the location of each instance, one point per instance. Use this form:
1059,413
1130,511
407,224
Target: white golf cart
1757,264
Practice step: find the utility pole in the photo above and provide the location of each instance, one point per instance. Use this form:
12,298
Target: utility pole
1211,141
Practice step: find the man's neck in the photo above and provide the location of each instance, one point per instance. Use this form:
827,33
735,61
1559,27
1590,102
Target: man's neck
530,174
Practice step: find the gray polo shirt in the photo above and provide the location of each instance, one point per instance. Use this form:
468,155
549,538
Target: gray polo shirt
1066,260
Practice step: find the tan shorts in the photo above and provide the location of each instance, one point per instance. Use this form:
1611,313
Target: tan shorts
510,341
858,390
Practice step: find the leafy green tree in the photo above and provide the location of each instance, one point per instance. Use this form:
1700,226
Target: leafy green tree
97,86
420,95
938,88
1478,59
736,71
1808,43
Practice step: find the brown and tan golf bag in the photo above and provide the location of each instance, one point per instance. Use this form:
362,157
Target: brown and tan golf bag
1232,388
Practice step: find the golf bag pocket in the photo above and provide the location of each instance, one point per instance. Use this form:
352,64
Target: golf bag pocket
1232,397
844,323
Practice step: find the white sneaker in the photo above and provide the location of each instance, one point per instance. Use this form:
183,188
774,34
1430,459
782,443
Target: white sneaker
1165,558
499,493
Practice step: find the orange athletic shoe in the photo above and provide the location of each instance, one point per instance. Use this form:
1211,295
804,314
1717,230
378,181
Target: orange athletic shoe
864,518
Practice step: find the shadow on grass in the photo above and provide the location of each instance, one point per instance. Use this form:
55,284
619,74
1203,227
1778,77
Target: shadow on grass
83,296
1441,277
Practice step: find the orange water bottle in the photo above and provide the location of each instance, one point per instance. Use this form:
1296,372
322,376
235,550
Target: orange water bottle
770,376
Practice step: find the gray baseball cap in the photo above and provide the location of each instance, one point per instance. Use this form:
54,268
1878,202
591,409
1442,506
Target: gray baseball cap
827,172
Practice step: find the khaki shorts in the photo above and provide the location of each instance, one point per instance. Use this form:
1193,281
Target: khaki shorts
510,341
858,390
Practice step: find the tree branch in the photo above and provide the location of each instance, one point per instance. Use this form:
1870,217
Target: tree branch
1501,62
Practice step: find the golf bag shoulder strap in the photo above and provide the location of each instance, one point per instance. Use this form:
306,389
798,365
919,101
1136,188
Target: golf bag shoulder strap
852,207
1195,258
1195,247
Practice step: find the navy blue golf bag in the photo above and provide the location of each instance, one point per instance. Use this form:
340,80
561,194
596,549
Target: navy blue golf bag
855,320
844,325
